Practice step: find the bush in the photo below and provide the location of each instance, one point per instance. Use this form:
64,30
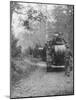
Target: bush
15,51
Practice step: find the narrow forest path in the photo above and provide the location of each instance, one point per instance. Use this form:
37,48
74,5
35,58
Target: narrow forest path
41,83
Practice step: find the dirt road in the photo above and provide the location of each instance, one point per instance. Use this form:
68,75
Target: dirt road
41,83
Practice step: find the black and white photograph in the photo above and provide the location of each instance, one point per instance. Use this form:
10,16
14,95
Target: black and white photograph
41,49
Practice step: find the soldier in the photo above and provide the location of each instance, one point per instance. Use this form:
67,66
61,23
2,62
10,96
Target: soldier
68,63
60,38
49,54
55,36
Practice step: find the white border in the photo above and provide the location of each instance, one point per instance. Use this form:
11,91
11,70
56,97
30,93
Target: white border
5,48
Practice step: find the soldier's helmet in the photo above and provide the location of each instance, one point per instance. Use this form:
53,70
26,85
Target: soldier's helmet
61,34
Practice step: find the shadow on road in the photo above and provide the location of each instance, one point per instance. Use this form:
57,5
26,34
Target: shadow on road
55,69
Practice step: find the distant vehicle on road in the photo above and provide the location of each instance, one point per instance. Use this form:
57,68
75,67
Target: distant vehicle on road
56,53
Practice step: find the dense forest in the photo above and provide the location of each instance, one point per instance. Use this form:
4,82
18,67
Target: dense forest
31,24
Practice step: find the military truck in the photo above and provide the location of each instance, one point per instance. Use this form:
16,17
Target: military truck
58,54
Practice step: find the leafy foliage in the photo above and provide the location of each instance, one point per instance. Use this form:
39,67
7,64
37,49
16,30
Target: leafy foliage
15,51
64,22
35,24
